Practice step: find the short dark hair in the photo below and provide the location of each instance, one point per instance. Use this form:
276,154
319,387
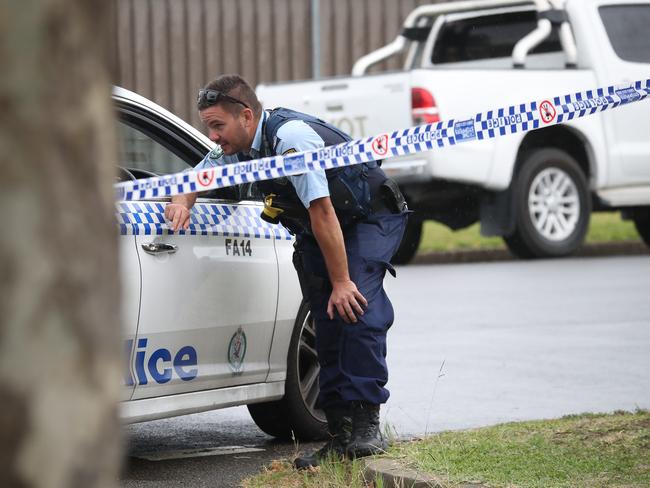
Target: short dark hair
236,87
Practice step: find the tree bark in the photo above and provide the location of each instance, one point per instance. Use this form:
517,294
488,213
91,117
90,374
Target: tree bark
59,326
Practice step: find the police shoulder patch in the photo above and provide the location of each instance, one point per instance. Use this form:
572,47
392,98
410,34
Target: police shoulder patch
216,153
289,151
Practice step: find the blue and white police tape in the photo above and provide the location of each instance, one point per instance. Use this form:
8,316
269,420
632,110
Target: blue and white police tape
485,125
148,218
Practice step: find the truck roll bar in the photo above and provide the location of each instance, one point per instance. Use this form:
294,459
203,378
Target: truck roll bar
413,21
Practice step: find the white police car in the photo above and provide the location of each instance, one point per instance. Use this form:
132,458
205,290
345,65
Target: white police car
213,316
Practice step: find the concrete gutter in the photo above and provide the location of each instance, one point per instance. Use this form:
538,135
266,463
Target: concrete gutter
396,474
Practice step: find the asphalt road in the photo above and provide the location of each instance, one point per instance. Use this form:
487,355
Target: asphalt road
473,344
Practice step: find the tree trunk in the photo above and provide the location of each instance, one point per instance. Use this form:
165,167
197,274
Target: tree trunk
59,326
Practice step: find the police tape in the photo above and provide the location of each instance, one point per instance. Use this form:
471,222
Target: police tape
485,125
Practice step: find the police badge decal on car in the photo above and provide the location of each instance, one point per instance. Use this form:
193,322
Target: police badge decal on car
237,351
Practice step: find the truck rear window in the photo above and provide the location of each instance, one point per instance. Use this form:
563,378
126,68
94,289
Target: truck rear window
627,29
488,37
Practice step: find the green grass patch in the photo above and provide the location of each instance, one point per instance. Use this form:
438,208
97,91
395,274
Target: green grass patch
609,227
573,452
604,227
578,451
281,474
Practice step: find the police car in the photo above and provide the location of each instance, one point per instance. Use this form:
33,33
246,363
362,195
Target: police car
212,316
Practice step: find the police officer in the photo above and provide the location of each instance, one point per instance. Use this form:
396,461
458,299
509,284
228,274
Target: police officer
348,223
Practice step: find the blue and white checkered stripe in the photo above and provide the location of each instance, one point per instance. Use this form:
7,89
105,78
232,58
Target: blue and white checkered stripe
147,218
485,125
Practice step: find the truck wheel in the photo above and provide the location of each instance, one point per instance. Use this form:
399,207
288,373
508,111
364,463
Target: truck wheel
642,224
551,206
410,242
295,416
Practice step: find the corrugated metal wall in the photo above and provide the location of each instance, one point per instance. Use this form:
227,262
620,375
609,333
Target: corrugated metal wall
167,49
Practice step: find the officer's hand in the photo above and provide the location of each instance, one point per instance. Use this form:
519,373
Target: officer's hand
178,216
347,300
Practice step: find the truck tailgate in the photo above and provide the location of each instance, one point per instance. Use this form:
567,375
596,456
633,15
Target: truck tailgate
360,106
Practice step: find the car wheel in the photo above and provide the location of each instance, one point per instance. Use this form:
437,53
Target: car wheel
551,205
410,241
295,416
642,224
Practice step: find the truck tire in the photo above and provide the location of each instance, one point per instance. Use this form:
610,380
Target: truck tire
295,416
551,205
410,242
642,224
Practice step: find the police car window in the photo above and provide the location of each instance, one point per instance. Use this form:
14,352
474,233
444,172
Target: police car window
139,151
627,29
488,37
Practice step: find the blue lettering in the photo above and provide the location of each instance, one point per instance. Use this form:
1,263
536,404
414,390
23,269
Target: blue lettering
464,130
139,362
503,121
423,136
185,363
186,356
628,95
248,167
160,354
335,152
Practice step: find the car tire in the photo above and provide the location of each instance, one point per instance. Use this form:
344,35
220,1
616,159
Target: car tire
410,241
295,416
642,224
551,205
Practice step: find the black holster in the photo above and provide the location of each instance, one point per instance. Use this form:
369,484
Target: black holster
300,270
389,197
309,282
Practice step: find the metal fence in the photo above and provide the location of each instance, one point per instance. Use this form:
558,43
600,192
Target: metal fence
167,49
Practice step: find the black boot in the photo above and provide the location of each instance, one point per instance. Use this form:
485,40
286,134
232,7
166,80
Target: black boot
339,425
366,436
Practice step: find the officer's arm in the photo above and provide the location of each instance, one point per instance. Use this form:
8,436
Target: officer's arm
178,211
345,297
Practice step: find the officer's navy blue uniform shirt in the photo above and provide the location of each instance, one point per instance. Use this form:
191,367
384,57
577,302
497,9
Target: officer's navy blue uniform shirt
294,135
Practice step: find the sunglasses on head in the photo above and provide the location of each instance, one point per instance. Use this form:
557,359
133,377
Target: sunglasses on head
207,98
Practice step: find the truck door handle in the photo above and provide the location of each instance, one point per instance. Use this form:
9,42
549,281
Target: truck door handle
338,86
159,248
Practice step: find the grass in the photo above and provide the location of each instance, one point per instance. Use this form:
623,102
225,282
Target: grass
604,227
573,452
281,474
579,451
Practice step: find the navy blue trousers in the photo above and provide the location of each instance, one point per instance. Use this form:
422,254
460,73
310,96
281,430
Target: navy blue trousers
352,357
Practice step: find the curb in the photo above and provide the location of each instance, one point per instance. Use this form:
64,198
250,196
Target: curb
395,475
625,248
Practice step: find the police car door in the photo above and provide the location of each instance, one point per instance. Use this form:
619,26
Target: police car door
130,302
209,295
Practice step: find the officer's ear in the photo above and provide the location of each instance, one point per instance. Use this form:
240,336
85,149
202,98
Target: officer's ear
248,115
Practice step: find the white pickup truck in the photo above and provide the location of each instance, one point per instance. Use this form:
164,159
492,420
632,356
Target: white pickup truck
536,189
